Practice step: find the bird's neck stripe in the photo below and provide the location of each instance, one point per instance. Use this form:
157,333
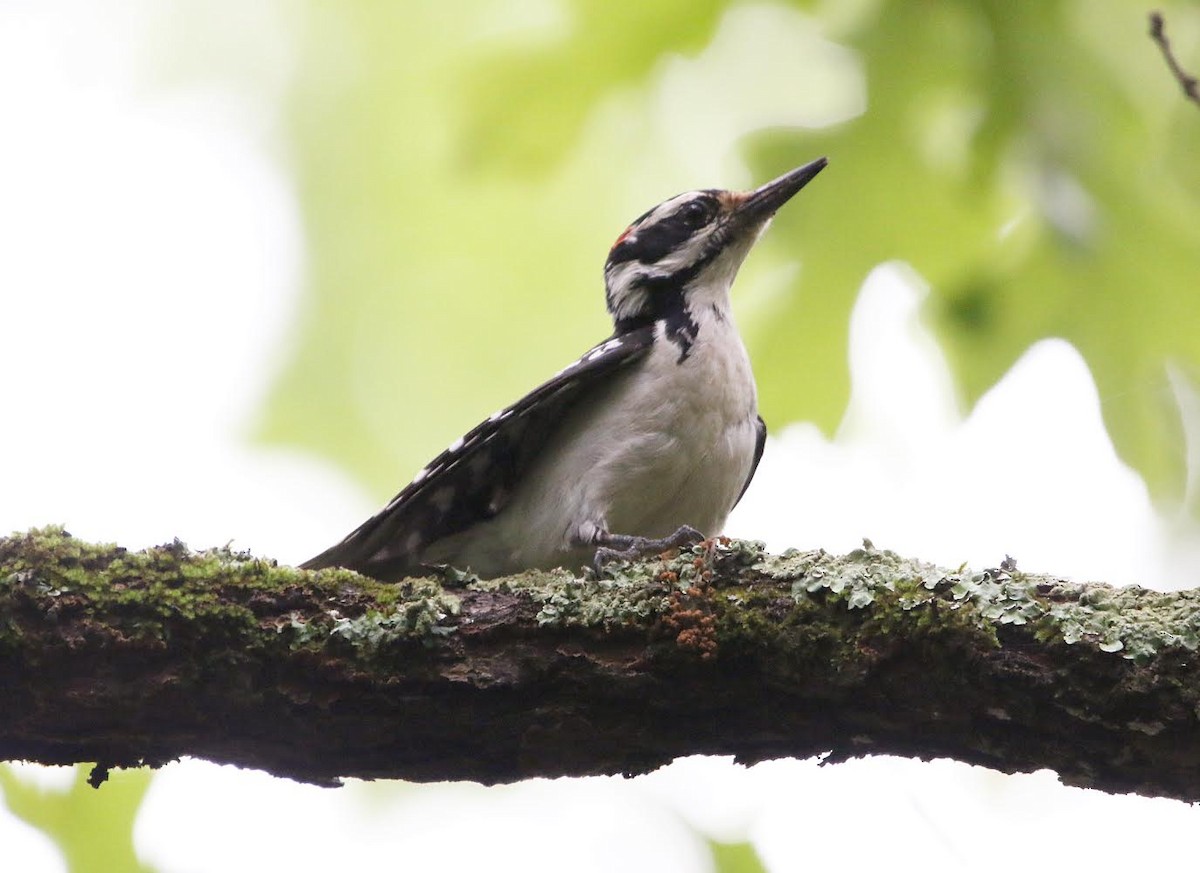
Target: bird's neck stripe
682,329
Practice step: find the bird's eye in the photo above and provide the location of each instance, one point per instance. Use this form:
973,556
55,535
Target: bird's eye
694,214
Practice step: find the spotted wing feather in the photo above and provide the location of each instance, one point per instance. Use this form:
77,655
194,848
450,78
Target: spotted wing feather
472,480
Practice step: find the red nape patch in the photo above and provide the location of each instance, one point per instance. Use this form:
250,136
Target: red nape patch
622,237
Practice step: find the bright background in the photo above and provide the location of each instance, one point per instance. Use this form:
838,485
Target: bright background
258,262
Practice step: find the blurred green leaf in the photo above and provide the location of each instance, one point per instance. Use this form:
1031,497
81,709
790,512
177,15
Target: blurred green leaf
526,105
1032,174
735,858
92,827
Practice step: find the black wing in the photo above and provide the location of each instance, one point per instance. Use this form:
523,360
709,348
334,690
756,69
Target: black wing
472,480
758,450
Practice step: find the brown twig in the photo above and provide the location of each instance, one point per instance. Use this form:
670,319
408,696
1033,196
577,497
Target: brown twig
1189,83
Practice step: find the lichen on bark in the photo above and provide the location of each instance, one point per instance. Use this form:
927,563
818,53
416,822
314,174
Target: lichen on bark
127,658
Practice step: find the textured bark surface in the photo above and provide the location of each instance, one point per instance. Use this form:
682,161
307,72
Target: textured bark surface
129,658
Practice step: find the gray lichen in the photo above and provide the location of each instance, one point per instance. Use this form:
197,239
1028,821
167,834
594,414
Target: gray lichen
233,657
1133,621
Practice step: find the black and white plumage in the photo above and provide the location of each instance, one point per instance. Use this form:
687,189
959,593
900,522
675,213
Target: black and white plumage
650,438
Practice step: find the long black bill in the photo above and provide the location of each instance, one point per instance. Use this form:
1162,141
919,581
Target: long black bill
763,202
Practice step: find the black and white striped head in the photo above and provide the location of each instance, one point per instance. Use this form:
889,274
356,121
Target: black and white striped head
686,251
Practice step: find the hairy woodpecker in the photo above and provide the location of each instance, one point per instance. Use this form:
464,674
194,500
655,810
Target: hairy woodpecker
646,441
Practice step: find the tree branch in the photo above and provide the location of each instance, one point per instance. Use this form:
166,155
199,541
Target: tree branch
137,658
1189,83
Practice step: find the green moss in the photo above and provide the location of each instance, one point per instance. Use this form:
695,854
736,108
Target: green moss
630,595
158,593
627,592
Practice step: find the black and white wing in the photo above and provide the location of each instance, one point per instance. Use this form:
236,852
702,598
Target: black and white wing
472,480
759,444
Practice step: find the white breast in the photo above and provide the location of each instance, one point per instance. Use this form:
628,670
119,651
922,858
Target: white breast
668,443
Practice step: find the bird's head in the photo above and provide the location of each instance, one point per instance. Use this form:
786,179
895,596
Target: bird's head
686,251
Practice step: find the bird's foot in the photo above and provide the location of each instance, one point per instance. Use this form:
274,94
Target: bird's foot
622,547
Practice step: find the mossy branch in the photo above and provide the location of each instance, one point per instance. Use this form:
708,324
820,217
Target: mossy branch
131,658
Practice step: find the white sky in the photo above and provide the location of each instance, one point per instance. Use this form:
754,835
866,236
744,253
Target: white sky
152,265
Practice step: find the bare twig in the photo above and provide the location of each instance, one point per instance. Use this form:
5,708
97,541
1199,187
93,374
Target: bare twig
1189,83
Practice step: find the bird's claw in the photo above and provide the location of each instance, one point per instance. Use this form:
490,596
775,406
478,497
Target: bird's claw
622,547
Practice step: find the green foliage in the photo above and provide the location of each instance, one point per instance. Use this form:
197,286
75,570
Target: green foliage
462,171
527,106
1028,159
735,858
93,831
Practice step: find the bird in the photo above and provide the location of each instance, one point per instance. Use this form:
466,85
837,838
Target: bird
645,442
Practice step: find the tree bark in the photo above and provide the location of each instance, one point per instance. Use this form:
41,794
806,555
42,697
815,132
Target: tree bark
128,659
